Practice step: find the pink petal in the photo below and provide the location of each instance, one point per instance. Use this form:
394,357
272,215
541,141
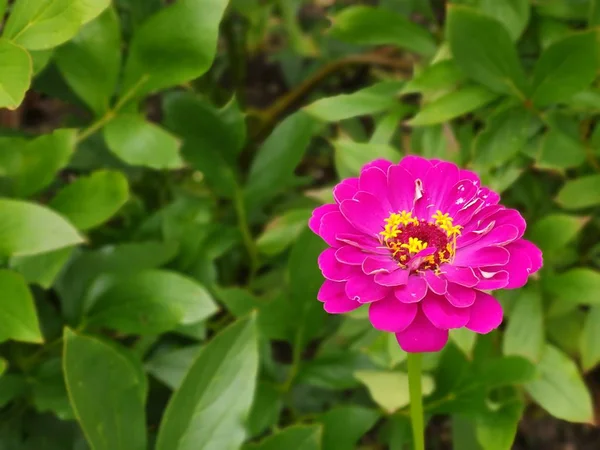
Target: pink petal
519,266
460,296
442,314
366,243
345,190
460,275
486,314
314,222
395,278
469,175
332,224
492,279
459,196
332,269
413,291
363,289
330,290
422,336
349,254
382,164
436,283
507,217
488,196
374,181
340,305
391,315
478,257
378,264
401,189
533,252
438,183
417,166
499,235
365,213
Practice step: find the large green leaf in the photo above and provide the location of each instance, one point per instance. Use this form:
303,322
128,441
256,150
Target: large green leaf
559,150
378,26
453,104
343,427
15,74
390,389
553,232
579,286
18,320
373,99
524,334
565,68
106,393
37,161
491,58
90,62
351,156
283,231
207,411
90,201
175,45
513,14
142,143
279,155
559,388
580,193
43,24
496,429
441,75
297,437
266,408
21,233
43,268
170,366
590,350
148,302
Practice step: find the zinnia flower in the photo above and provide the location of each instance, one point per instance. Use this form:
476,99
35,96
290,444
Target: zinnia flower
422,242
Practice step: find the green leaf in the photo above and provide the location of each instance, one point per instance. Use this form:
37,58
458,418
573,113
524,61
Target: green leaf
43,24
15,74
297,437
11,387
441,75
207,411
491,59
370,100
21,233
283,231
524,334
171,366
505,371
390,389
553,232
278,156
38,160
513,14
91,201
106,393
559,388
211,142
577,286
91,61
142,143
594,16
465,340
266,408
464,434
388,124
590,350
152,301
505,134
18,320
343,427
334,371
496,430
583,192
351,156
453,104
49,392
565,68
42,269
377,26
238,302
40,59
560,151
173,46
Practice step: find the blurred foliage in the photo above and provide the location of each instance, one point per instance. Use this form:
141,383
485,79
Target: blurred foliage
158,280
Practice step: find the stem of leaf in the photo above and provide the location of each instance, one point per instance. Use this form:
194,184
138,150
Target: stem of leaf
240,209
416,400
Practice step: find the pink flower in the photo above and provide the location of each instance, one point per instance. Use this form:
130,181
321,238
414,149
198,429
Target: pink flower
422,242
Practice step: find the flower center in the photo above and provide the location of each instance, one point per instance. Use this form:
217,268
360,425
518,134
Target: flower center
419,244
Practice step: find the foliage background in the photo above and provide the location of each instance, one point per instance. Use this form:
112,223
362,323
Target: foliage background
159,162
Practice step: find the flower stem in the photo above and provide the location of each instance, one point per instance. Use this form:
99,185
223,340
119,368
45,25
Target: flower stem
416,400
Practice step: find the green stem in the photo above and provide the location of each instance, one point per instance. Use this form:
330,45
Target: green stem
240,209
416,400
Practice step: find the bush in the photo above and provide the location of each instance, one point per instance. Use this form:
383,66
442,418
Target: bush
158,169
